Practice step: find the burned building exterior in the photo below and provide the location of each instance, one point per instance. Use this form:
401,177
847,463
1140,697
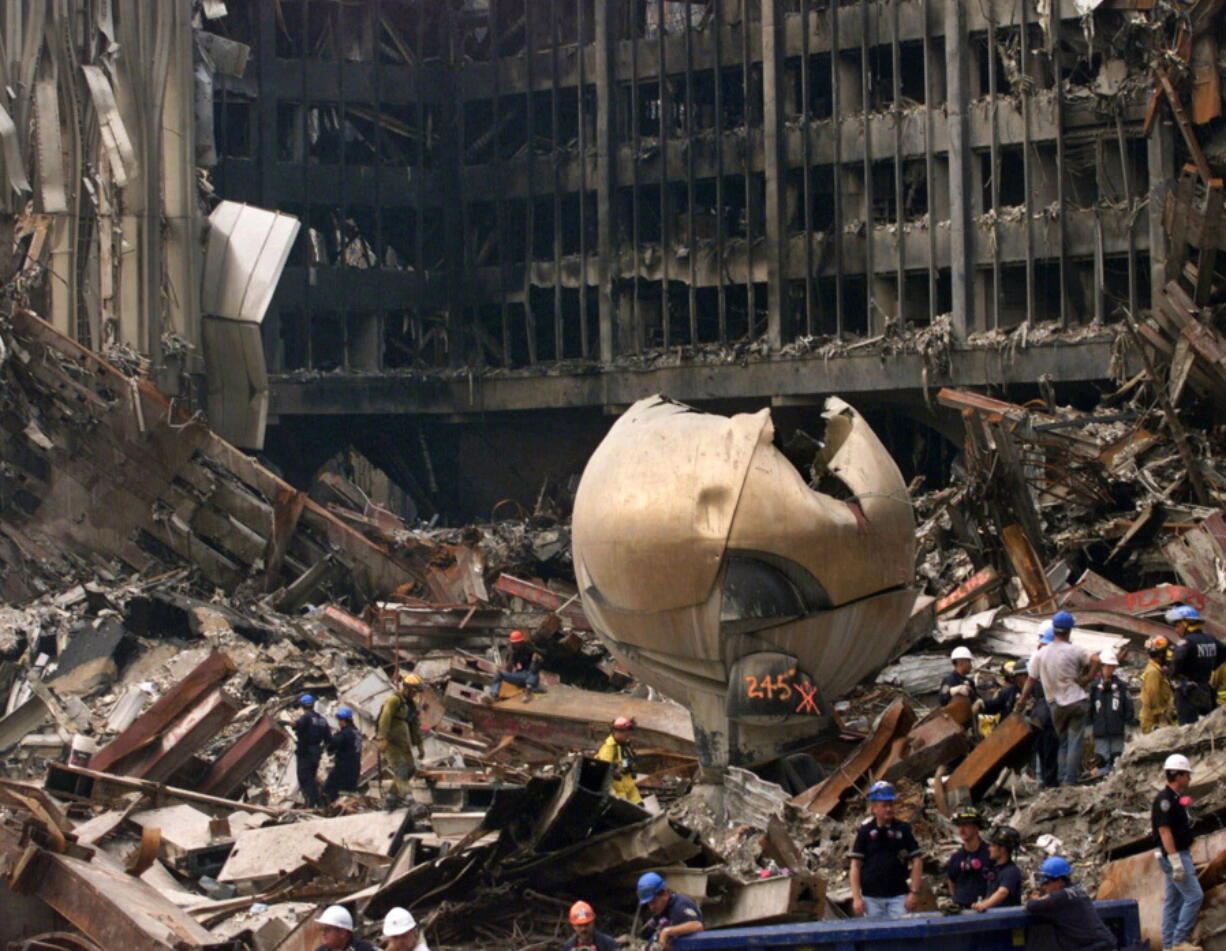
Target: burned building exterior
566,185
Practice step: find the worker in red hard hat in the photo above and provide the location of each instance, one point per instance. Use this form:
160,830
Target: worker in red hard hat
616,749
586,937
522,667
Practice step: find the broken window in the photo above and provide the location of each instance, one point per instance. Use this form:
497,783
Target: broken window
234,127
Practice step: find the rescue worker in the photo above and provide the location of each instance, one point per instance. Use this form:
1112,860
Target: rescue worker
399,730
1001,703
672,915
400,928
1061,667
958,682
1110,713
522,667
345,745
1173,839
1003,877
1157,698
1197,658
616,749
312,733
1067,909
586,937
966,867
1218,683
882,885
336,931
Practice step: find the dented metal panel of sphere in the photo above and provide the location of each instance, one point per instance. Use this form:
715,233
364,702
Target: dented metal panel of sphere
735,582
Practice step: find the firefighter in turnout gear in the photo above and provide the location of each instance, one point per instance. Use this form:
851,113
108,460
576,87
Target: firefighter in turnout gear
616,749
399,732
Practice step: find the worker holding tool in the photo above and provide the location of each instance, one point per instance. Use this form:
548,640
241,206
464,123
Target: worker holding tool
311,732
1002,877
672,915
1110,713
957,682
616,749
400,928
1157,698
586,937
1173,839
522,667
1197,658
1075,925
345,745
1062,667
880,885
336,931
399,731
966,867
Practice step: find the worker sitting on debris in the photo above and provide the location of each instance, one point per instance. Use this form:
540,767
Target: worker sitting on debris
957,682
522,667
965,868
312,732
400,927
616,749
672,915
1075,925
1110,713
345,745
1196,659
1002,877
400,729
586,937
880,886
1062,667
1173,838
336,931
1157,698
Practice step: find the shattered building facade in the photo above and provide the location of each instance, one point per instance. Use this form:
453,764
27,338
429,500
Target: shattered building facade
554,188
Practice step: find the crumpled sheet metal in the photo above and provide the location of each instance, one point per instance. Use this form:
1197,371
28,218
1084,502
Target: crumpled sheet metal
671,492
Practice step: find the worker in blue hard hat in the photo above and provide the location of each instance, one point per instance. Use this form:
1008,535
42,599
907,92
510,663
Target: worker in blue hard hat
1197,658
1067,910
887,863
1063,668
345,746
311,732
670,914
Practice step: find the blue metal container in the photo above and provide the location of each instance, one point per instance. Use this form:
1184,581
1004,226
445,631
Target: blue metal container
1003,930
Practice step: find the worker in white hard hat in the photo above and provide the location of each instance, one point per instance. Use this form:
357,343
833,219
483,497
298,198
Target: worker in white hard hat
1111,713
336,931
957,682
400,929
1173,838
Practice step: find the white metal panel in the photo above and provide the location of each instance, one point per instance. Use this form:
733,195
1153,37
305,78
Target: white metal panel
247,251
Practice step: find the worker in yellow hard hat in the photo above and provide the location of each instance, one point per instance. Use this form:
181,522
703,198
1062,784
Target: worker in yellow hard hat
399,731
616,749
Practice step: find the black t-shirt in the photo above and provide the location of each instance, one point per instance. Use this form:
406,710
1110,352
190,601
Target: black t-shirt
600,941
884,851
1169,810
1004,876
955,679
1077,925
966,870
1198,656
356,944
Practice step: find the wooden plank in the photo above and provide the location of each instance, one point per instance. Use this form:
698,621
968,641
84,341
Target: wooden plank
825,796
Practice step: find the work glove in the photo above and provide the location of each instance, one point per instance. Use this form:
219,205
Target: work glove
962,690
977,707
1177,872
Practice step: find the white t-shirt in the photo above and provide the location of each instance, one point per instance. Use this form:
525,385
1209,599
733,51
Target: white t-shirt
1057,666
